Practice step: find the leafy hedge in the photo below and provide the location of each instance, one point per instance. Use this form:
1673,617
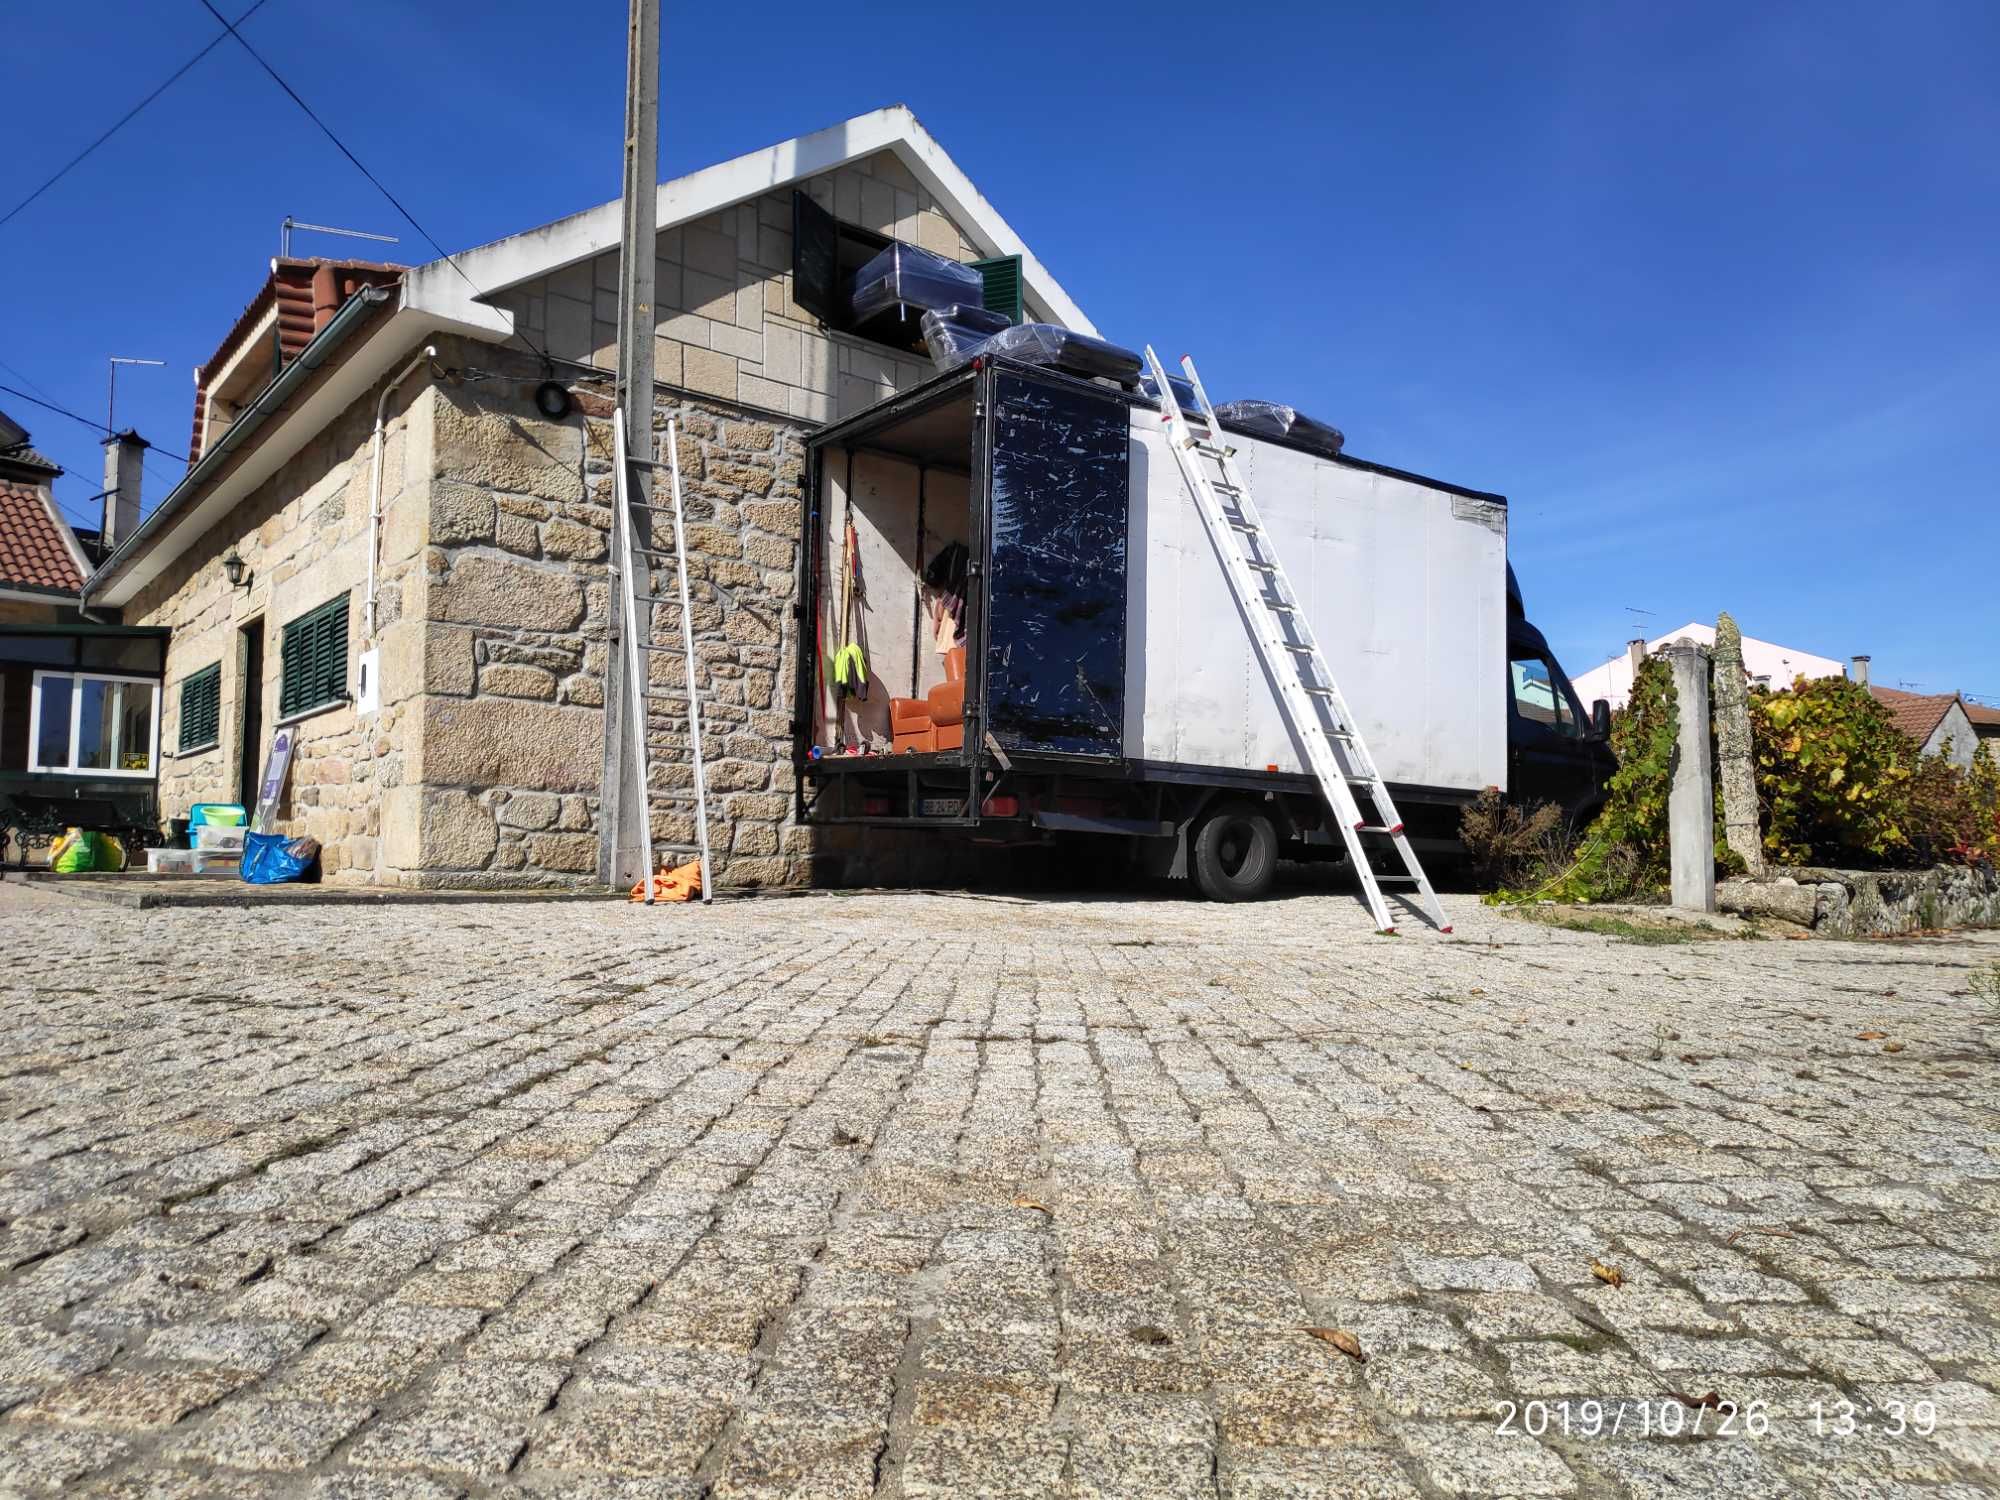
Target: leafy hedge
1837,783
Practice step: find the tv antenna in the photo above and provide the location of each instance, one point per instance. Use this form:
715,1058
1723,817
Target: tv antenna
285,234
111,394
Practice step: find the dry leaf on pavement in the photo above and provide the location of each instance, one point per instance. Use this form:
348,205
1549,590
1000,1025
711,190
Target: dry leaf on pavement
1040,1208
1609,1275
1342,1340
1869,1036
1892,1046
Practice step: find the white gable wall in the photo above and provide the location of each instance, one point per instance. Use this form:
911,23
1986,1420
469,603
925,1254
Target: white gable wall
1779,665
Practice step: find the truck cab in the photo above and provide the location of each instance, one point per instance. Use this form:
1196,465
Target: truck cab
1555,752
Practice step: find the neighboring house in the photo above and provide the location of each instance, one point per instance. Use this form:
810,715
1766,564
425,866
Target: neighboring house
1939,723
42,565
79,700
1985,723
1764,662
444,665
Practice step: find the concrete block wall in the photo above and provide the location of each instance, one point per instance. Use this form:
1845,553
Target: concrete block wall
728,326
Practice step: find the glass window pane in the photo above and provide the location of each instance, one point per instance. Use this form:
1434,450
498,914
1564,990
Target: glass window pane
135,725
121,653
52,729
114,730
42,650
1537,698
95,726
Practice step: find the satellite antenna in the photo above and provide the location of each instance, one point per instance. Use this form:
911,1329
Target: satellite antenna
285,234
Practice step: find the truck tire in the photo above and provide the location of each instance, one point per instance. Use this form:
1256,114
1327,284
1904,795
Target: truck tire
1234,853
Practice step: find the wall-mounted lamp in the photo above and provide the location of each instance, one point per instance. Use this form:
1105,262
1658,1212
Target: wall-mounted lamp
233,569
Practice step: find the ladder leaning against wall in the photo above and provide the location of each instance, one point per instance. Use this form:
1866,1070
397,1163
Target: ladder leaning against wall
642,563
1309,700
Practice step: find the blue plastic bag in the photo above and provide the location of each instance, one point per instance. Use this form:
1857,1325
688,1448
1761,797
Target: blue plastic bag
274,858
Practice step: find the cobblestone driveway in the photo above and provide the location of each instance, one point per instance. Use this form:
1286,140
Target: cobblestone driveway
926,1196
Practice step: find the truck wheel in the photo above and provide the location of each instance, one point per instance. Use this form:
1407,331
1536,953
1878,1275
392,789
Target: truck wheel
1235,854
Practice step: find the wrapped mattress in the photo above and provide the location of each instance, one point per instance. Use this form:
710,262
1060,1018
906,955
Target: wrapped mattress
952,334
1076,353
905,276
1286,423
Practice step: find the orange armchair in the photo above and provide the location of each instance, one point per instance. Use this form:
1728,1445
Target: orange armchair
935,721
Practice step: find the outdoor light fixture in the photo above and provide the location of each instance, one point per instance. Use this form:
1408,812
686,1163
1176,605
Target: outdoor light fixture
232,568
552,400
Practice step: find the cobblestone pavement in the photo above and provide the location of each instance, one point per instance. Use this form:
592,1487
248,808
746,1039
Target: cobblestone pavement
913,1195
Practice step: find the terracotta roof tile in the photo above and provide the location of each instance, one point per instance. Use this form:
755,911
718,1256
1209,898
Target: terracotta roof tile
33,551
1982,715
1916,714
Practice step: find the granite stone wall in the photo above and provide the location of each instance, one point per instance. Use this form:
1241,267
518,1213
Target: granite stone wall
303,537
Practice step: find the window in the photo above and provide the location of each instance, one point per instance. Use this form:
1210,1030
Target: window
201,709
315,660
826,252
90,725
1539,698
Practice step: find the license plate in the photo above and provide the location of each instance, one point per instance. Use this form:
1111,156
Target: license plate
940,807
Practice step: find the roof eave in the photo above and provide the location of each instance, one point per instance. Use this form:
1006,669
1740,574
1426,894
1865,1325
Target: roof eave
459,292
214,482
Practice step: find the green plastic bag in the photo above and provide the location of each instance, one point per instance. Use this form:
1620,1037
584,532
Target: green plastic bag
75,852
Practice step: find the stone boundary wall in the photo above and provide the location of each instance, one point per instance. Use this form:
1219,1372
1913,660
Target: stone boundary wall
1870,903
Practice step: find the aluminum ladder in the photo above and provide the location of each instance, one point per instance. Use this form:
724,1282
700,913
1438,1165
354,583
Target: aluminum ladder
639,558
1309,699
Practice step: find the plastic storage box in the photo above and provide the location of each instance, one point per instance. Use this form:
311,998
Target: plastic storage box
953,334
1286,423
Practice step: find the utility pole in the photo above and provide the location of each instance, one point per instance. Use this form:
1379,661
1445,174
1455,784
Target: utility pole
622,806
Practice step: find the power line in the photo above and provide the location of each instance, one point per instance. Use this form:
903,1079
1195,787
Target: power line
359,166
91,422
126,118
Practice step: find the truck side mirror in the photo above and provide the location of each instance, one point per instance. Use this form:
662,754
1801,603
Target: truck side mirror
1600,719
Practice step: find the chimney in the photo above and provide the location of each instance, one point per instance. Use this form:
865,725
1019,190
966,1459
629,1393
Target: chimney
1636,651
121,487
1861,670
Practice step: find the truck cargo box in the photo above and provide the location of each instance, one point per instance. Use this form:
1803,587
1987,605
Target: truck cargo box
1098,634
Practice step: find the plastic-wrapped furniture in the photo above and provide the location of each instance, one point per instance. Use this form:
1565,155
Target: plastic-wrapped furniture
953,333
904,276
1077,353
1183,393
1287,423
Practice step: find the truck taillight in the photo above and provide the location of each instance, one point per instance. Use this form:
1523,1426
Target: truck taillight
1003,806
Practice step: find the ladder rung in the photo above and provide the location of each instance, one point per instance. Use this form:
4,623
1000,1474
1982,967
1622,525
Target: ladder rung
1279,607
1261,567
1399,879
1296,649
1240,525
665,510
1378,827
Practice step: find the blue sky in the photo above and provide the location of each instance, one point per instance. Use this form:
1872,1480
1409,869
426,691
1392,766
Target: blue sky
1707,290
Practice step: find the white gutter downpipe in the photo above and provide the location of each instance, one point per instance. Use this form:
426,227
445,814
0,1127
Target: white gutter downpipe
375,487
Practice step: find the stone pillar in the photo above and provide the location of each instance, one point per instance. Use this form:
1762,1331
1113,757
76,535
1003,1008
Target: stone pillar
1735,765
1691,803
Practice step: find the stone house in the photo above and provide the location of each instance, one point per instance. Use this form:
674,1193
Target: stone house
42,563
388,543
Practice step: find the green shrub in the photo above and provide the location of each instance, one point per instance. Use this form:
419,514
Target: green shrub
1833,773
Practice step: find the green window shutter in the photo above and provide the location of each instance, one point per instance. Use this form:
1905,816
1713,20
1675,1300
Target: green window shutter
1003,285
314,657
201,708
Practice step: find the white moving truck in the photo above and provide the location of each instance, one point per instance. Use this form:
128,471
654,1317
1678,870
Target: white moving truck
1051,648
